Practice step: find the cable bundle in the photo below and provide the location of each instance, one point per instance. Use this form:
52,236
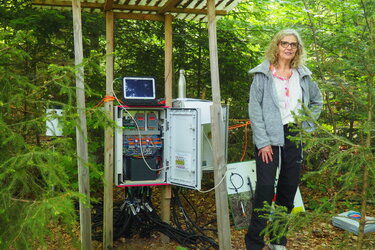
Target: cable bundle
136,215
195,233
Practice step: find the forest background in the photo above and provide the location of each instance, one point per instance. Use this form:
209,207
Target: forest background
38,175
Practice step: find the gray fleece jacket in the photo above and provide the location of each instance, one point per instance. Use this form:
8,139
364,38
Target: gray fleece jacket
264,112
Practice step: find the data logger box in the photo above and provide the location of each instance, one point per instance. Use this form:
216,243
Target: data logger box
170,140
176,143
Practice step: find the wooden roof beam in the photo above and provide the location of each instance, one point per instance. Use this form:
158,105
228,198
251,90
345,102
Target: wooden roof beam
122,7
138,16
66,4
168,5
108,5
197,11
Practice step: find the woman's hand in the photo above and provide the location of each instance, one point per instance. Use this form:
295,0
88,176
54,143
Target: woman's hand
266,153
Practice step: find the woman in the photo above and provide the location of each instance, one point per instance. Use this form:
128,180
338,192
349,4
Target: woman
281,87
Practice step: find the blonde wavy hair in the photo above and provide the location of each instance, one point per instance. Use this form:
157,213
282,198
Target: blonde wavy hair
272,51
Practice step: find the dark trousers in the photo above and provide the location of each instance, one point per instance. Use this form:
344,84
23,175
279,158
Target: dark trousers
285,191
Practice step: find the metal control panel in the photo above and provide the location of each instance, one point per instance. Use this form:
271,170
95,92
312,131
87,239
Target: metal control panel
158,146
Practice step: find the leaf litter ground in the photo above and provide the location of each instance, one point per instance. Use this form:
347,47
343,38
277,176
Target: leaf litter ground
320,234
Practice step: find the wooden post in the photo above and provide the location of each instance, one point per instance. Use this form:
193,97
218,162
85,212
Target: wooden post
221,196
166,193
81,131
108,137
168,71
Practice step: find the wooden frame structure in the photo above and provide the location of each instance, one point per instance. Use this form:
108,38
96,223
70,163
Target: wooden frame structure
146,9
156,10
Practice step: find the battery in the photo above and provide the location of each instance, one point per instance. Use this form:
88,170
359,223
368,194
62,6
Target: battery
137,170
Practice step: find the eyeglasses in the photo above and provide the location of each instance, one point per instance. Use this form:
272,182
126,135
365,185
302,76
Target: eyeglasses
286,44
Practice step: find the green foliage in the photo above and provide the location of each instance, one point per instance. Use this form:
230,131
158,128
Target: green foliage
278,217
35,190
38,175
339,37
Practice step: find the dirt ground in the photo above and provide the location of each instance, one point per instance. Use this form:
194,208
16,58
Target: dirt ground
318,235
321,238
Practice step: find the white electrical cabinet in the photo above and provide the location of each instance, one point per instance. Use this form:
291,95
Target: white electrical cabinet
158,146
205,107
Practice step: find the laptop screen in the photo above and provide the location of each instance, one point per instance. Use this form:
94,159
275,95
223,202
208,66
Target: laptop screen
139,88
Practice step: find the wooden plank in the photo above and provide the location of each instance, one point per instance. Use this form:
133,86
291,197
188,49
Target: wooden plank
125,7
81,131
67,4
221,195
166,194
168,71
108,137
165,207
214,61
197,11
218,141
168,5
138,16
108,5
135,7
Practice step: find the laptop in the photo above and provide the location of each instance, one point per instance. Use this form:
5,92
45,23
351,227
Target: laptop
140,91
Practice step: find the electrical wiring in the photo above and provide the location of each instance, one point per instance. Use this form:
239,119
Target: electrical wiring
188,220
137,215
194,237
121,222
246,125
197,231
178,204
139,135
246,141
191,205
209,190
208,223
234,186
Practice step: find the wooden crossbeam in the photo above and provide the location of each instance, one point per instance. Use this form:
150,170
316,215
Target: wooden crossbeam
168,5
123,7
108,5
138,16
67,4
197,11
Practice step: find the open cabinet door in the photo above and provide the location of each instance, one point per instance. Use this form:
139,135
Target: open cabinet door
183,140
118,147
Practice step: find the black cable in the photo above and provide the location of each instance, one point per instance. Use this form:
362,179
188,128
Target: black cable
198,235
175,217
183,211
234,186
122,224
137,215
251,187
190,222
208,223
191,205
